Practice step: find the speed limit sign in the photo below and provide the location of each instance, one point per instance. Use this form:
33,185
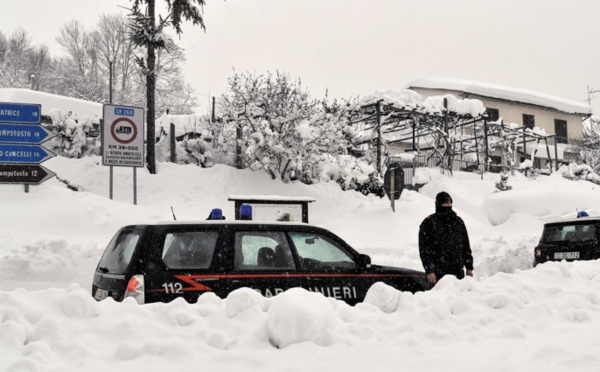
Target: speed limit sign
123,136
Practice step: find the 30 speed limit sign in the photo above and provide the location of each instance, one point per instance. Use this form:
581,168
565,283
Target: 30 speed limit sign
123,136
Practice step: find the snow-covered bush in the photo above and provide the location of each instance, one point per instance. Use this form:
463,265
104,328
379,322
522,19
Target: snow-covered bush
580,172
503,185
288,134
188,150
72,136
200,150
351,174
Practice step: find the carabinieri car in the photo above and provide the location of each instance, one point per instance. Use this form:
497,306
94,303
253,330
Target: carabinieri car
163,261
573,239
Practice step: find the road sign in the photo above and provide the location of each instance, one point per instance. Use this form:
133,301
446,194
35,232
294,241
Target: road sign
394,173
26,174
20,113
123,136
24,133
24,154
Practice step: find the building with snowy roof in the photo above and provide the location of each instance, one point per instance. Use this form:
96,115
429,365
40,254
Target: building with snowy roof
542,113
54,105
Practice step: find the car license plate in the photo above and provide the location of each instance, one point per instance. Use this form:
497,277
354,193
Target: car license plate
566,255
100,294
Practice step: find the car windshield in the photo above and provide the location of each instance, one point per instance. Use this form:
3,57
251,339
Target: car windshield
569,233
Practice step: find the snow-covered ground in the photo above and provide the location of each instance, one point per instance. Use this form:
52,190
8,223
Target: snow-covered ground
510,317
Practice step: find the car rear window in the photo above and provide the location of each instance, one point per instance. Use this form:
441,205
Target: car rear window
117,256
189,249
569,233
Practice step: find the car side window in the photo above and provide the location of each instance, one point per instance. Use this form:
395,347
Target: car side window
118,254
262,250
319,251
189,249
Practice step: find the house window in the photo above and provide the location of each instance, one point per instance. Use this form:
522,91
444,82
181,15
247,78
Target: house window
528,121
560,129
493,114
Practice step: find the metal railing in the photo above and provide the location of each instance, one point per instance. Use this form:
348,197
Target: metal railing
427,161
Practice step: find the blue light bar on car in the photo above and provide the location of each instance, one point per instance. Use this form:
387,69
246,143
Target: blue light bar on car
245,212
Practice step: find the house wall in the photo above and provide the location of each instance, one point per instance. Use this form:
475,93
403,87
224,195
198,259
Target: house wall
512,112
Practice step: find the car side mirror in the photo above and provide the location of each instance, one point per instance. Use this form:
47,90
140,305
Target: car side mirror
364,261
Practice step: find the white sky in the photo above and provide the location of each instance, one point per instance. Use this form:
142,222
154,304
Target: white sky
353,47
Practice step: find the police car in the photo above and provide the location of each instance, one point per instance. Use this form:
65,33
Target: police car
573,239
163,261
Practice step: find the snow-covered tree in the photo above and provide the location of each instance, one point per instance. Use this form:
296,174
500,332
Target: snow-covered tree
282,130
274,115
589,145
79,73
72,138
147,34
15,63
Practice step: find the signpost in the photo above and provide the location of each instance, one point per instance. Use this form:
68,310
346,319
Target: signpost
20,149
27,174
123,140
393,182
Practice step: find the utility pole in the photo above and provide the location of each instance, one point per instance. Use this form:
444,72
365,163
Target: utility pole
590,91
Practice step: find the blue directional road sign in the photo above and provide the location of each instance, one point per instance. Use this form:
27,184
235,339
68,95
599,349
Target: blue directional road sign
20,113
24,133
24,154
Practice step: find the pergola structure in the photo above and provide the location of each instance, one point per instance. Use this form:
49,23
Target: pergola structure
443,134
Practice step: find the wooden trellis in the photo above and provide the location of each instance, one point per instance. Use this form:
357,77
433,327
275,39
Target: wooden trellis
444,134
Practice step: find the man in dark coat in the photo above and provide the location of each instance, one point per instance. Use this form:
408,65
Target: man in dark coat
444,243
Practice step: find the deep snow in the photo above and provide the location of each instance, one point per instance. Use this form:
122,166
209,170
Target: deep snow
510,317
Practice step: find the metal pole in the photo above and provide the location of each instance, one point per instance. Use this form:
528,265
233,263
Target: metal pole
548,153
556,153
212,117
525,144
487,149
135,185
110,187
110,81
110,94
414,147
447,135
173,144
238,146
477,149
393,188
32,78
378,113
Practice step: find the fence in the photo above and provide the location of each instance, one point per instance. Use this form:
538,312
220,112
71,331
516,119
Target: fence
426,161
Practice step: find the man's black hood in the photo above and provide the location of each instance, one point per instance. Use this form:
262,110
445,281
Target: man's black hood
441,198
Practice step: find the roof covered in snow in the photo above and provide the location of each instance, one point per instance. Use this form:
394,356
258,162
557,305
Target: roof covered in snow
502,92
53,104
410,100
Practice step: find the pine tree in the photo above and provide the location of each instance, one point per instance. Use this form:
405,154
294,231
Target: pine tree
146,33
